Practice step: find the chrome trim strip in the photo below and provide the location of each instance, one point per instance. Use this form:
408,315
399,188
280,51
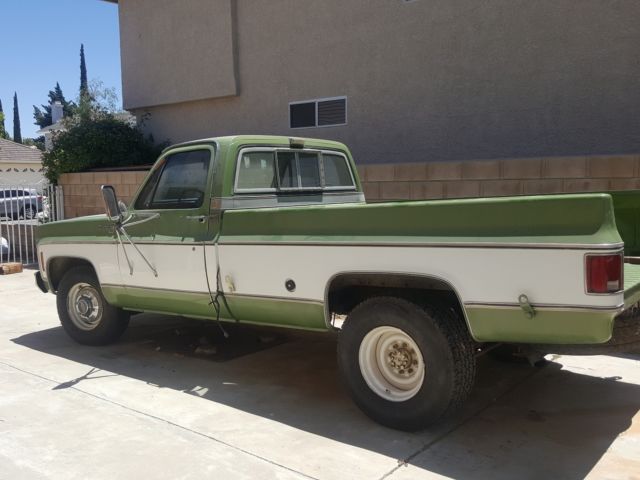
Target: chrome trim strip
515,246
546,246
544,306
278,201
277,299
227,295
113,285
109,242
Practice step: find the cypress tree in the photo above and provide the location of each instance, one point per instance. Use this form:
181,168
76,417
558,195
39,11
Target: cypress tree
84,85
17,134
3,131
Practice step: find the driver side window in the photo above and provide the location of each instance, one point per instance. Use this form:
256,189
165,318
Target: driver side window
178,182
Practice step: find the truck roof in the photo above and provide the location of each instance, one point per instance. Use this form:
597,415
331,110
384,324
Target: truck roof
278,140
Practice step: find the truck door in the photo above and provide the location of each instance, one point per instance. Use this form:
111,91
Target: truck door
162,263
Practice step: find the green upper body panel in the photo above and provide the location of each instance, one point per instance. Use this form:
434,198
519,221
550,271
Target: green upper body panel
561,219
96,228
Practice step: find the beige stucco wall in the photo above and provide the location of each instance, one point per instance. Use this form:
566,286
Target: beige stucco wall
426,81
176,51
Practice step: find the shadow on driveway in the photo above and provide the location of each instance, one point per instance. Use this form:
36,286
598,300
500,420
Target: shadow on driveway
530,420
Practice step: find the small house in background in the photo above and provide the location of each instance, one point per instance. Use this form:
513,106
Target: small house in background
58,124
20,164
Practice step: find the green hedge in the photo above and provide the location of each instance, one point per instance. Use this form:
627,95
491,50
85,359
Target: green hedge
98,143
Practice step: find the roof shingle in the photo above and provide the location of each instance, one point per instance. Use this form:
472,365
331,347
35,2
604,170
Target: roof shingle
16,152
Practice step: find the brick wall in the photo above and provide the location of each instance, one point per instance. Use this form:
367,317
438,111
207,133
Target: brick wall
490,178
82,194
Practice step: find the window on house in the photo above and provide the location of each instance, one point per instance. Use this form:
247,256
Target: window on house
318,113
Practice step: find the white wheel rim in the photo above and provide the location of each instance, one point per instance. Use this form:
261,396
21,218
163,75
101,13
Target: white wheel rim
391,363
84,306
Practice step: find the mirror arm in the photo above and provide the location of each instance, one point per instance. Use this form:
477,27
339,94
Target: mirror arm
124,249
122,231
151,216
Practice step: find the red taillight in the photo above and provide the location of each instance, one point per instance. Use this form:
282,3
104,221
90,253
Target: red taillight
604,273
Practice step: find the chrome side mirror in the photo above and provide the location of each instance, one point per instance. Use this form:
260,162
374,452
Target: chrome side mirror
111,206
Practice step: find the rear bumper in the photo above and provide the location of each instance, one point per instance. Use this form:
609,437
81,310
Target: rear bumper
42,285
549,325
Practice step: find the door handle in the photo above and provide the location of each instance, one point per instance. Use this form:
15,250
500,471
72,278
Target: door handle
197,218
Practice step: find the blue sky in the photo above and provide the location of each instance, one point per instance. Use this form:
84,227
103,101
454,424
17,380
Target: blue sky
41,46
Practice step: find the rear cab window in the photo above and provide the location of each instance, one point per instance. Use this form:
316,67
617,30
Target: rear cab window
275,170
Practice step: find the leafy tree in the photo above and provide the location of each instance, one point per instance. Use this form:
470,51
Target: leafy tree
42,116
98,141
3,131
17,134
37,142
98,101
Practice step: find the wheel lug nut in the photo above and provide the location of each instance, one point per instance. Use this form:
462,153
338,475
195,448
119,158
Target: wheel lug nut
410,370
415,362
395,346
404,344
401,372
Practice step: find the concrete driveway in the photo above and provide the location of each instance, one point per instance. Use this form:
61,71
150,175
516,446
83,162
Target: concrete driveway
268,404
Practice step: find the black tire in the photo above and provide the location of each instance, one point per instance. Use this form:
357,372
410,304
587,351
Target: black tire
445,345
113,321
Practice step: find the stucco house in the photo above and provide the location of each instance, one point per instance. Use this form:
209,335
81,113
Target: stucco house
19,164
436,98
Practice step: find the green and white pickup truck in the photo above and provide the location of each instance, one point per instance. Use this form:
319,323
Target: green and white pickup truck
275,231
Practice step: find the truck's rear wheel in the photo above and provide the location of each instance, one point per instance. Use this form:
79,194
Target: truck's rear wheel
84,313
405,365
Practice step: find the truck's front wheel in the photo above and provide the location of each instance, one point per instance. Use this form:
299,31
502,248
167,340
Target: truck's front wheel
405,365
84,313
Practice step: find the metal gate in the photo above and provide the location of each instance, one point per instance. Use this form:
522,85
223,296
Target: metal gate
22,208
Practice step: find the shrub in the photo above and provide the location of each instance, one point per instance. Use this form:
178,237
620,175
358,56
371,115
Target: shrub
100,141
